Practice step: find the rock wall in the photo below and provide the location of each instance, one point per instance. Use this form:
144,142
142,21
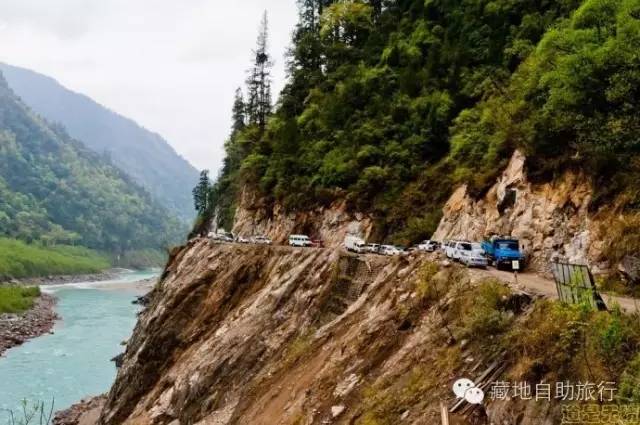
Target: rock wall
551,220
274,335
329,224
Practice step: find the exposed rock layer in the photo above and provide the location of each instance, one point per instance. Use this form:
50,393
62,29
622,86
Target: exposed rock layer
329,224
551,220
273,335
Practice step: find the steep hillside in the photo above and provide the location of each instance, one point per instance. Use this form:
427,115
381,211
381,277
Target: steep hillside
272,335
54,190
143,155
391,107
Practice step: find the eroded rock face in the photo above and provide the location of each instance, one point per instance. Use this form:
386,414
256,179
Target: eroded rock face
551,220
240,334
330,224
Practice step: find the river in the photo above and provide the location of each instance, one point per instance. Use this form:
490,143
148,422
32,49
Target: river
74,361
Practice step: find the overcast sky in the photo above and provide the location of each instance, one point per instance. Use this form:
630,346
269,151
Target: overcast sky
173,66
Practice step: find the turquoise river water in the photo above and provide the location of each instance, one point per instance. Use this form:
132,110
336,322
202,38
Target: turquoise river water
74,361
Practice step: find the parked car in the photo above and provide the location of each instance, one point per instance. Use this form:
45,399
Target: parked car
450,249
261,240
373,248
428,246
504,252
300,240
401,249
389,250
222,236
317,243
472,255
242,239
354,243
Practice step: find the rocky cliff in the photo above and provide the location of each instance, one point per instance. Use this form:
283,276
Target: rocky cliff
271,335
330,224
552,220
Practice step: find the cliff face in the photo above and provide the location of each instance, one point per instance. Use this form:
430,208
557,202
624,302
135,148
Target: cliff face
330,224
272,335
551,220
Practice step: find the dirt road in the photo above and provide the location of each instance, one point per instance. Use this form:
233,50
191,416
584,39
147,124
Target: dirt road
538,285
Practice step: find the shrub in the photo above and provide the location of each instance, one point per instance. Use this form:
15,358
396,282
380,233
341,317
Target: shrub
487,314
16,299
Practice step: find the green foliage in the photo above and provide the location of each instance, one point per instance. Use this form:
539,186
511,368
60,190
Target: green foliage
31,413
18,260
201,194
629,390
142,154
53,190
572,103
488,315
17,299
140,259
572,342
391,107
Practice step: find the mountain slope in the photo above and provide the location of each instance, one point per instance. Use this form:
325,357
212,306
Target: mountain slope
143,155
388,110
53,189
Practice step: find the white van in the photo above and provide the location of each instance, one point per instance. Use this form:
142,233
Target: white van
299,240
355,244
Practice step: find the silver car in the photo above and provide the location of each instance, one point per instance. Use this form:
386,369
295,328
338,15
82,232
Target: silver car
472,255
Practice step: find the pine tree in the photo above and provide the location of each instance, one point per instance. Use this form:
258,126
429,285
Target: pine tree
201,193
238,113
259,105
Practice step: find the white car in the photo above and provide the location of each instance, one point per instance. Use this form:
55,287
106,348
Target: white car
389,250
428,246
450,248
460,247
473,257
300,240
355,244
221,237
261,240
242,239
373,248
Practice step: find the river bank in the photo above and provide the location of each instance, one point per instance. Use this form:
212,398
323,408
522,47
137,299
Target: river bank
16,329
105,275
74,361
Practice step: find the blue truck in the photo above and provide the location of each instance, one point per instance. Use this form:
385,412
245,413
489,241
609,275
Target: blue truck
504,252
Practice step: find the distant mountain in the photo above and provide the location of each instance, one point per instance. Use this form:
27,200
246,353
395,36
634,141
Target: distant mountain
55,190
142,154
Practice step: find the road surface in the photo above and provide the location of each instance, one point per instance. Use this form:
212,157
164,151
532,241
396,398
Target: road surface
538,285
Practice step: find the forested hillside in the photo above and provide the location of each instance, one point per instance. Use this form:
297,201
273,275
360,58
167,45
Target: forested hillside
143,155
391,104
53,190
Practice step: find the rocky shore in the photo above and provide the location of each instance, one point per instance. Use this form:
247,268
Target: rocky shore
15,329
86,412
59,280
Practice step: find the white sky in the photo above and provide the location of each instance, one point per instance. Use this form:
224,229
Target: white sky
171,65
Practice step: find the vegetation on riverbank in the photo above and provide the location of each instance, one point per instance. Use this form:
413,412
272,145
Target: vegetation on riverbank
19,259
16,299
140,259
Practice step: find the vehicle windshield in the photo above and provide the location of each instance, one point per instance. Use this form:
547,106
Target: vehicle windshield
508,245
465,246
